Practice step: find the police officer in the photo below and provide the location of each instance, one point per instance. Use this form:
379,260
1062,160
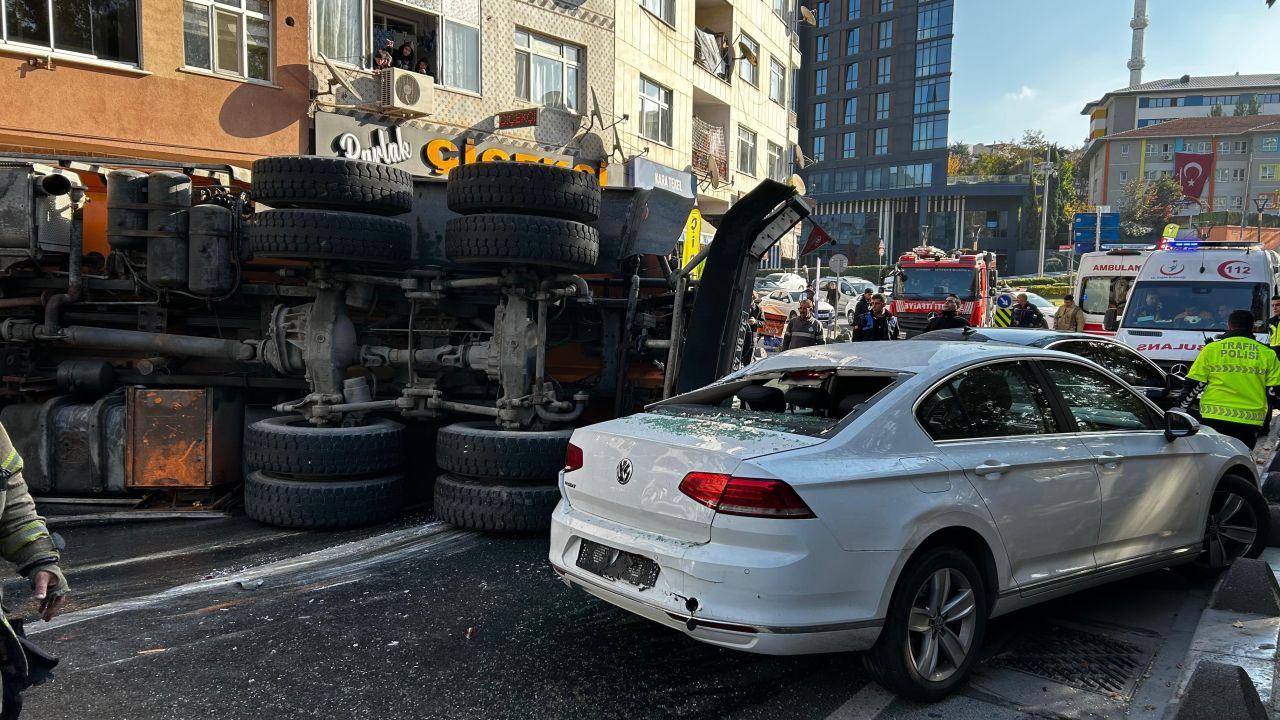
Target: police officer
1230,377
25,542
802,330
1273,324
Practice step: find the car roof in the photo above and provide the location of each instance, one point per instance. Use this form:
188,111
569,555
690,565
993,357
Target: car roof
1030,337
919,356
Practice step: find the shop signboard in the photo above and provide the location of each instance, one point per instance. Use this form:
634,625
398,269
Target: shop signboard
426,153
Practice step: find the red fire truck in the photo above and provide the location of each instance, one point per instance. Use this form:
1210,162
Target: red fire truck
924,277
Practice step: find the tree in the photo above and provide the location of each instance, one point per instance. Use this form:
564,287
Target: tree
869,251
1253,108
1240,108
1215,111
1145,206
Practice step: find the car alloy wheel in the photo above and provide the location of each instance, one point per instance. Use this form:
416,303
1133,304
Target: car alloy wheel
1232,528
940,629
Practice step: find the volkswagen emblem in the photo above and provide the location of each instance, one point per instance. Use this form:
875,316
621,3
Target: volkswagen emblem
624,471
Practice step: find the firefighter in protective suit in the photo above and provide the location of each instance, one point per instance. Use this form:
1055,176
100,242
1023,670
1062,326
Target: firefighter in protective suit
25,542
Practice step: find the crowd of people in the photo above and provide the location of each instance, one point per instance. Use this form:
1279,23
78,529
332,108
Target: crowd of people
403,57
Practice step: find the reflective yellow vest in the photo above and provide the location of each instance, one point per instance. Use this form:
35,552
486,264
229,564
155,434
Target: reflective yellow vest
1236,372
1274,337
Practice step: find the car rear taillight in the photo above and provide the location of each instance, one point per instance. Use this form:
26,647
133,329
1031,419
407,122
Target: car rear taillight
572,458
745,496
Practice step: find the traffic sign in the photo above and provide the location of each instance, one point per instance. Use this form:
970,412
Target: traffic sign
1091,220
1004,301
839,263
1002,317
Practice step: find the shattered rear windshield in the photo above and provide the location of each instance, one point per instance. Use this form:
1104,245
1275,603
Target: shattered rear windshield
806,402
752,419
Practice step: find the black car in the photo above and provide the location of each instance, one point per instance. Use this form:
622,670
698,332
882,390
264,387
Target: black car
1115,356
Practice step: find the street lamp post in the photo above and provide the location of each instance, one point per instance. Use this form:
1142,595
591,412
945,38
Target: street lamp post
1047,169
1261,203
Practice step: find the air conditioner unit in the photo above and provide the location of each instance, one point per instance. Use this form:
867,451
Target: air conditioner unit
1166,156
405,92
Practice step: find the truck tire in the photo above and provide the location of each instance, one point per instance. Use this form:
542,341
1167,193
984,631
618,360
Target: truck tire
480,450
291,445
478,505
309,181
524,187
506,239
330,235
299,504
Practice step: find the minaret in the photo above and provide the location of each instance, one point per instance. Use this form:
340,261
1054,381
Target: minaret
1138,23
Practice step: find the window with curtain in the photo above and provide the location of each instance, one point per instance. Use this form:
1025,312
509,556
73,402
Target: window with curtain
548,71
104,30
461,56
339,30
655,111
228,37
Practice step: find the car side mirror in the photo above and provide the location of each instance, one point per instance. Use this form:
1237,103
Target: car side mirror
1179,424
1154,393
1175,381
1110,322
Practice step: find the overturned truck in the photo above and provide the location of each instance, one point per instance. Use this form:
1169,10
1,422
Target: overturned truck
339,340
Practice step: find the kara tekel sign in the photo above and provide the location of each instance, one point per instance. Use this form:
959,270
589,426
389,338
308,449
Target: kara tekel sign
424,153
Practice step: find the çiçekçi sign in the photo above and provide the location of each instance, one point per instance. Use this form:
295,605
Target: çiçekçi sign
425,153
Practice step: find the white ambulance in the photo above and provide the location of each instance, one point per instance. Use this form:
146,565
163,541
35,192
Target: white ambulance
1186,290
1103,284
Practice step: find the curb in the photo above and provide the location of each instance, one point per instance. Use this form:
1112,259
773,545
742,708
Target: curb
1231,667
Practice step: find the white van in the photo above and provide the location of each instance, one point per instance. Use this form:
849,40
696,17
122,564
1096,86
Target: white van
1103,284
1182,297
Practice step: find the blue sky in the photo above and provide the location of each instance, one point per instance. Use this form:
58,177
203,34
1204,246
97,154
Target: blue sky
1033,64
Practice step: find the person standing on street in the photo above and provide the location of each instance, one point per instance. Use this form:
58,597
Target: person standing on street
755,320
878,323
948,318
1069,318
802,330
833,295
1025,314
864,303
1231,377
25,541
1273,324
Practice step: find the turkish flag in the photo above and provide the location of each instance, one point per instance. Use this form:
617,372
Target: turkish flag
817,238
1193,171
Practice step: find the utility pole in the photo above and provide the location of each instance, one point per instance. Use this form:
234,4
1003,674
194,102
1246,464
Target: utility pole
1261,203
1045,167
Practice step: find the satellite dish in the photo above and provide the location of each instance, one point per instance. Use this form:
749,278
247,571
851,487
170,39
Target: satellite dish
807,15
797,182
801,160
713,169
748,54
337,75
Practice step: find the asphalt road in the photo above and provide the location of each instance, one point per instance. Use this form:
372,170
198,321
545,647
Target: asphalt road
229,619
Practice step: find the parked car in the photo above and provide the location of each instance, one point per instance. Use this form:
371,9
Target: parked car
765,286
784,303
1046,308
751,513
788,281
849,289
1115,356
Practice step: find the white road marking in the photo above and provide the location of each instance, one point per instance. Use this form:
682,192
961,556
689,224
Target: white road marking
207,547
865,705
310,567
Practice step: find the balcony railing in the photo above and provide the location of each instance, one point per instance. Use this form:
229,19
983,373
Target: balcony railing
710,151
711,52
988,179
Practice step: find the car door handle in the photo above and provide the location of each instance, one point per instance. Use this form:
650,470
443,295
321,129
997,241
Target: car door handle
1109,459
991,467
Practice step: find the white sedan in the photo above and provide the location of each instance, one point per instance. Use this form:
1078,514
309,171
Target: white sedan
891,497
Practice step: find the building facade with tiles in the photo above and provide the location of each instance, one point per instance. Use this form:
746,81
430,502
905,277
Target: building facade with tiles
1243,152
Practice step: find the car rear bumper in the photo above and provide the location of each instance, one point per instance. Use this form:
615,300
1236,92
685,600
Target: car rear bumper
740,597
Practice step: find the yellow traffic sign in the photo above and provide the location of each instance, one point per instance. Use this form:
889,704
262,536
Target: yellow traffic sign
692,242
1002,317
